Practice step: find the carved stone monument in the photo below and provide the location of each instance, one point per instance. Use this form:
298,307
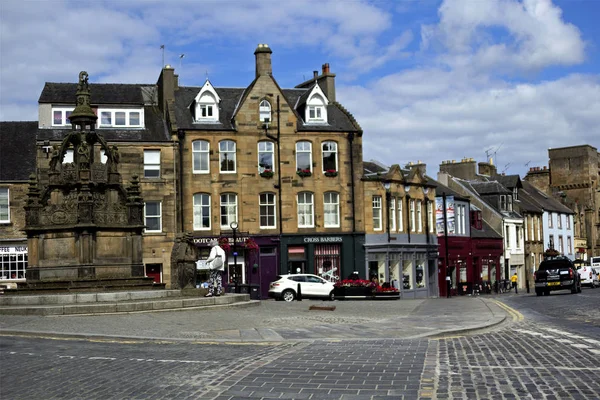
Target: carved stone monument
183,262
84,225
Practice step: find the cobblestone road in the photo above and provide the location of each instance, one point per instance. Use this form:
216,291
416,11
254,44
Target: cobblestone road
523,360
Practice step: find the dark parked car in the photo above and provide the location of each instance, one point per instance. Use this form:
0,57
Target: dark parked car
557,273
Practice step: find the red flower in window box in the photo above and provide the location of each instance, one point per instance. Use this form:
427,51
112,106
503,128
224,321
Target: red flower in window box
331,172
224,243
267,173
304,173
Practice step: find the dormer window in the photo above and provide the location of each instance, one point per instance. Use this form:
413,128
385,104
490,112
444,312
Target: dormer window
515,193
264,111
207,104
316,107
120,118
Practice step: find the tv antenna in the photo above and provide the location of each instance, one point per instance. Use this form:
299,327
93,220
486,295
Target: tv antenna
493,151
527,163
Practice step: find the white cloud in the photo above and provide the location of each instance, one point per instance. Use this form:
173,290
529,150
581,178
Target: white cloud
532,35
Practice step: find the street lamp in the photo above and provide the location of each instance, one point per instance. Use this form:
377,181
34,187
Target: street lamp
234,226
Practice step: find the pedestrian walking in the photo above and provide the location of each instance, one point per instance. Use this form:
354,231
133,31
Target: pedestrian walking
216,265
448,285
514,279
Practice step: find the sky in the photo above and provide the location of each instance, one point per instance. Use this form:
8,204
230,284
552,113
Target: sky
427,80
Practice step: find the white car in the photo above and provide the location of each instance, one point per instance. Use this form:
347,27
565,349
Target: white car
589,277
285,287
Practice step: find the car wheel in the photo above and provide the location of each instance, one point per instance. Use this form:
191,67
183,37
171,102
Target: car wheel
538,292
331,296
288,295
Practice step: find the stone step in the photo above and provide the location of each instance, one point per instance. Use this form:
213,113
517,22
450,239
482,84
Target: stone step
33,287
87,297
121,305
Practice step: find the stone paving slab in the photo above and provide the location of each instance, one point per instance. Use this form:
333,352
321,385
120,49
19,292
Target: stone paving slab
276,321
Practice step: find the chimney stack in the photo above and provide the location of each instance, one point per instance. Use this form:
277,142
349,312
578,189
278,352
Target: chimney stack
263,60
315,74
326,82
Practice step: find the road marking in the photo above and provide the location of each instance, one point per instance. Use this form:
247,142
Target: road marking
514,314
70,357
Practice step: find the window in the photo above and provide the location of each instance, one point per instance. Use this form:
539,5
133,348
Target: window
120,118
13,262
502,203
330,162
377,213
551,244
392,214
303,156
430,217
201,211
265,157
561,249
559,221
152,216
207,109
264,111
60,116
419,217
4,205
568,218
509,205
507,233
151,163
331,210
400,215
460,219
526,227
227,156
518,236
315,109
549,220
228,209
569,247
200,157
266,204
538,227
412,215
305,210
515,193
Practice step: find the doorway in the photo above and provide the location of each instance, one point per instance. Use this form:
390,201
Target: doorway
154,271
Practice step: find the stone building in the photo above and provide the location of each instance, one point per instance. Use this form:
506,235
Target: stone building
572,178
273,166
17,163
400,242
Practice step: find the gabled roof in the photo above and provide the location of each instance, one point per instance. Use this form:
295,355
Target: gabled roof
546,202
338,118
486,232
509,181
100,93
17,150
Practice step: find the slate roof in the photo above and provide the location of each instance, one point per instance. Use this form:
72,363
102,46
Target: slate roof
17,150
440,189
155,130
509,181
337,117
100,93
546,202
373,167
493,187
486,232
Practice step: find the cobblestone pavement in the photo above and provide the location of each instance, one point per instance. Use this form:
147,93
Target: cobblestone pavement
521,360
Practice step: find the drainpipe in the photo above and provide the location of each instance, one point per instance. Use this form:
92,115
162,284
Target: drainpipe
352,199
181,137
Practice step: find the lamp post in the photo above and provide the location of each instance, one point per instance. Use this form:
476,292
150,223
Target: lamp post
388,197
234,226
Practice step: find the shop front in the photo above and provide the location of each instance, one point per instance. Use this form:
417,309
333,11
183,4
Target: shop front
409,267
251,262
13,261
488,257
458,265
332,257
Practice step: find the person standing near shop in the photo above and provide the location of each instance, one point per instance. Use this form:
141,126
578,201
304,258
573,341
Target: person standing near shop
216,265
514,279
448,285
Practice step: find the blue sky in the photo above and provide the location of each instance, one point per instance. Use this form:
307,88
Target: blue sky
427,80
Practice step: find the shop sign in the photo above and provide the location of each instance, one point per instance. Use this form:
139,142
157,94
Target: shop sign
13,249
206,240
323,239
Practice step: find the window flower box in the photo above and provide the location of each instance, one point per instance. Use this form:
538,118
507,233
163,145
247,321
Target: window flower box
303,173
331,173
267,173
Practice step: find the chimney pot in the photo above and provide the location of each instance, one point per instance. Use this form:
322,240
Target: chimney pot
325,68
315,74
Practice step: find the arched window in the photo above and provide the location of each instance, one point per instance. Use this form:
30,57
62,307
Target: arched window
331,210
306,210
315,109
201,211
266,202
200,156
264,111
227,156
330,158
207,104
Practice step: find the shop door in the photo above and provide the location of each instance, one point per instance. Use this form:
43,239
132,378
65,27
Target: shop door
154,271
267,269
296,267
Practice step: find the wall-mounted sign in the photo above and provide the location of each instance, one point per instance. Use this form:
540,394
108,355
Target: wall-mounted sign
13,249
323,239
